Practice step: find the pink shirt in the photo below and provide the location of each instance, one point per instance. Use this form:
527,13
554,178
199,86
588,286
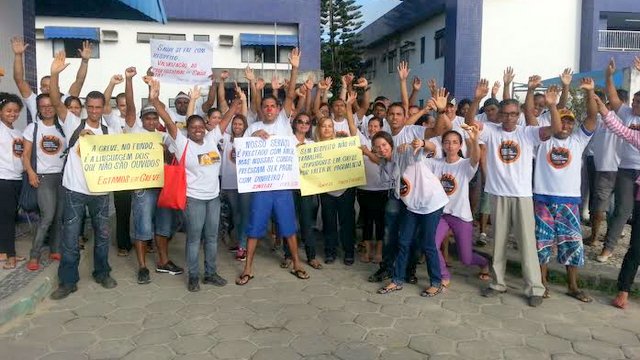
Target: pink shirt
627,134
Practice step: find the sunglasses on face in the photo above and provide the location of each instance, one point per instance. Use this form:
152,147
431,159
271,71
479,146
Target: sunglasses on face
302,122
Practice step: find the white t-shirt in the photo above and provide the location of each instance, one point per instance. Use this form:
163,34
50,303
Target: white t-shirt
229,172
73,178
606,147
364,124
509,159
483,119
31,104
202,164
280,127
407,134
629,154
11,154
418,188
559,165
341,128
49,144
454,179
371,169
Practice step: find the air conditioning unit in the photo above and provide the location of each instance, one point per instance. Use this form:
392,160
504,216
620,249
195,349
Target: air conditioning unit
225,40
39,34
109,36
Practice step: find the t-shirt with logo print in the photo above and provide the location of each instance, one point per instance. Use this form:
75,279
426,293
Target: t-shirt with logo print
49,145
559,165
202,163
454,178
11,154
629,154
509,159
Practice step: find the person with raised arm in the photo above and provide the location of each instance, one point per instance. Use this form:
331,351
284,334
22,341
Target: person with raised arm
627,170
264,204
19,47
46,137
507,79
77,194
556,191
202,161
509,157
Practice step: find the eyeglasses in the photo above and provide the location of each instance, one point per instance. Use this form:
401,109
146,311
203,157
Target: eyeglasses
511,114
301,122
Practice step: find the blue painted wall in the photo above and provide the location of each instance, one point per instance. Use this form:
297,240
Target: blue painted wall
303,13
590,57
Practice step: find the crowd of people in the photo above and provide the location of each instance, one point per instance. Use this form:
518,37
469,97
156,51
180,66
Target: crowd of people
433,173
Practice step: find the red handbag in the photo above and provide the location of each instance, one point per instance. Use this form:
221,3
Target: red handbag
174,192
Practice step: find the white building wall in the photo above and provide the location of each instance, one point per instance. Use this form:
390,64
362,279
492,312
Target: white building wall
115,57
540,37
386,83
10,25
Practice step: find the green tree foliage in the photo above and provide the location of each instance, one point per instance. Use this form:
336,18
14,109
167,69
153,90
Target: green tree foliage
341,52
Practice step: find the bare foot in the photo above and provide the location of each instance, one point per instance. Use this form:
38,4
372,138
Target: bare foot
621,300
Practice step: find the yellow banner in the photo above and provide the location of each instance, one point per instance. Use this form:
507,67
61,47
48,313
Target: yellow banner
122,162
330,165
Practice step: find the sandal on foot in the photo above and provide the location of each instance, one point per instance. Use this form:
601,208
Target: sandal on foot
244,279
546,294
285,263
300,274
389,288
426,293
315,264
10,264
484,276
580,295
33,266
123,252
619,303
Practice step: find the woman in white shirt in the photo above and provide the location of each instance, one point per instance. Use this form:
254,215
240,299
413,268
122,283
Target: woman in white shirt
202,161
455,173
11,148
239,202
337,206
408,172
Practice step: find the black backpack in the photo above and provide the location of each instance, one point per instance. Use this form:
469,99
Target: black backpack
76,135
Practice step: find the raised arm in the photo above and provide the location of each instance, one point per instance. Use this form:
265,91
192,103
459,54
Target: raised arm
234,109
612,94
301,95
211,95
154,99
57,66
222,96
108,92
130,113
551,101
430,106
507,79
308,84
351,98
529,107
482,89
19,47
443,123
194,95
294,60
565,78
473,145
588,85
403,74
494,89
415,90
244,108
323,88
616,126
81,75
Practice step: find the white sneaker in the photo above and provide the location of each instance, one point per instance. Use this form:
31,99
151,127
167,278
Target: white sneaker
482,240
603,258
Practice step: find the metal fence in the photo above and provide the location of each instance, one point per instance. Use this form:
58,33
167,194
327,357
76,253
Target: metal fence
619,40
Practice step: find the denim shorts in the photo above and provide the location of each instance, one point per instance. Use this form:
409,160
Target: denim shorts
147,219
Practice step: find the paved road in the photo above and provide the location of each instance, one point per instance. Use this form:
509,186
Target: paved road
334,315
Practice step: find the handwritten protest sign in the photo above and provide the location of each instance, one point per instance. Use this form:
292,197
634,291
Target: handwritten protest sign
331,165
122,162
181,62
264,165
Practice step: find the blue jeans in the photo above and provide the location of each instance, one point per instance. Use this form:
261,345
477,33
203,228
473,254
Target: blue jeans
202,219
392,212
74,210
425,224
240,204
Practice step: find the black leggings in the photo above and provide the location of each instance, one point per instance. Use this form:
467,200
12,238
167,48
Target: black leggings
631,260
10,190
372,204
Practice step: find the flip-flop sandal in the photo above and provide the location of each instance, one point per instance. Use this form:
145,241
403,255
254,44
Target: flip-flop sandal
425,293
315,264
300,274
581,296
618,304
244,279
387,289
285,263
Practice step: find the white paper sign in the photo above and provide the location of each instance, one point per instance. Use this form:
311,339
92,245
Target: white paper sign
265,165
181,62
